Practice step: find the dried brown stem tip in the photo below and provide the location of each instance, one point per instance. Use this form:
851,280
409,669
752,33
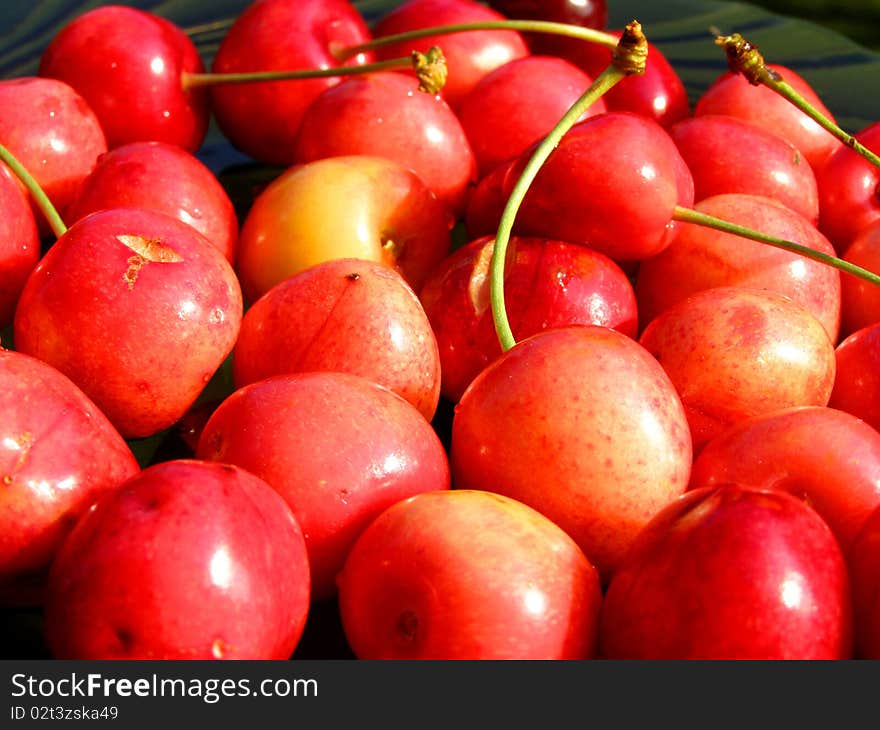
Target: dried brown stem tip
745,58
431,69
631,53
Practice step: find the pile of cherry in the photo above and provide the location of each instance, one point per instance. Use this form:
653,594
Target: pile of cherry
679,457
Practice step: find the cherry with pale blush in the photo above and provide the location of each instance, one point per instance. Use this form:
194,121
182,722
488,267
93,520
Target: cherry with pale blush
356,206
465,575
733,95
731,155
58,454
346,315
857,380
262,118
339,449
734,353
128,64
162,177
518,104
225,576
547,284
700,258
385,115
19,244
731,572
138,309
55,135
823,455
469,55
582,424
849,191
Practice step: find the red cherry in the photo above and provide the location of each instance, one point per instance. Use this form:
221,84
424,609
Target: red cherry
337,447
347,315
467,574
53,132
469,56
518,104
730,572
734,353
732,94
261,119
138,309
582,424
128,64
714,148
186,560
585,13
58,454
700,258
547,284
849,191
857,382
838,475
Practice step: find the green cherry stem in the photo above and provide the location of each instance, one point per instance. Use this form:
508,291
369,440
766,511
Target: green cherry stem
628,58
744,57
426,66
688,215
37,193
533,26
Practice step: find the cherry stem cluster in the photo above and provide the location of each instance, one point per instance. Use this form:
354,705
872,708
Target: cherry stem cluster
629,57
37,193
745,58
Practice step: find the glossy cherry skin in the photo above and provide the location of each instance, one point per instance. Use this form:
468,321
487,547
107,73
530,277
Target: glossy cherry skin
469,56
863,560
467,574
355,206
186,560
128,65
346,315
53,132
837,474
547,284
849,191
612,183
261,119
733,95
582,424
730,572
19,243
700,258
734,353
386,115
162,177
138,309
712,146
337,447
658,93
518,104
58,454
857,381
